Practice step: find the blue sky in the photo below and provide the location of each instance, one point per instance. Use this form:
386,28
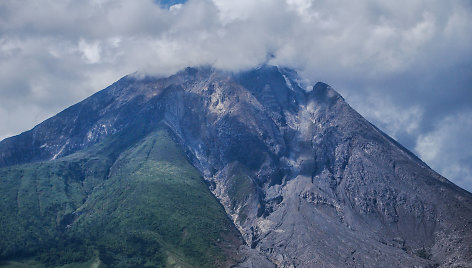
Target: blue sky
405,65
169,3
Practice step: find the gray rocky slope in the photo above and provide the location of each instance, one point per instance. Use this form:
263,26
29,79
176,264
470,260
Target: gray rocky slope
307,181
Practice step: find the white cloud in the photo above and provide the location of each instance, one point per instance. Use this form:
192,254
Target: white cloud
230,11
303,7
367,37
390,117
448,148
90,50
176,7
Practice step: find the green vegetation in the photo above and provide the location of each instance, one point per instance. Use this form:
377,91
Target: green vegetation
135,205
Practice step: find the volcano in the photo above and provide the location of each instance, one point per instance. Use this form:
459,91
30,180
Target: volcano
210,168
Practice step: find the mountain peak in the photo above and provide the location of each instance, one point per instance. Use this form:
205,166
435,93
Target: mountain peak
324,93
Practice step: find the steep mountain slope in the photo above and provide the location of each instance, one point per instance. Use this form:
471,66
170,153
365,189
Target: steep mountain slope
305,179
147,206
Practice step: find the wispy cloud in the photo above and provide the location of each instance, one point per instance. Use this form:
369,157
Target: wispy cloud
440,147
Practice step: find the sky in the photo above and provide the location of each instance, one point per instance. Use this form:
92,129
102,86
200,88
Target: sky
405,65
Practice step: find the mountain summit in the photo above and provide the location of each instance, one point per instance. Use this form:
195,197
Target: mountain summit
128,177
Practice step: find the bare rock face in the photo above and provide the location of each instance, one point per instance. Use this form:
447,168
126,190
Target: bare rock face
306,180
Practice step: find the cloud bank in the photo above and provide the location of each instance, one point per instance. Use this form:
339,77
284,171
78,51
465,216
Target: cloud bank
405,65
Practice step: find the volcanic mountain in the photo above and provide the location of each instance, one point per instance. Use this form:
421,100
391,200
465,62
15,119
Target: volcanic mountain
209,168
